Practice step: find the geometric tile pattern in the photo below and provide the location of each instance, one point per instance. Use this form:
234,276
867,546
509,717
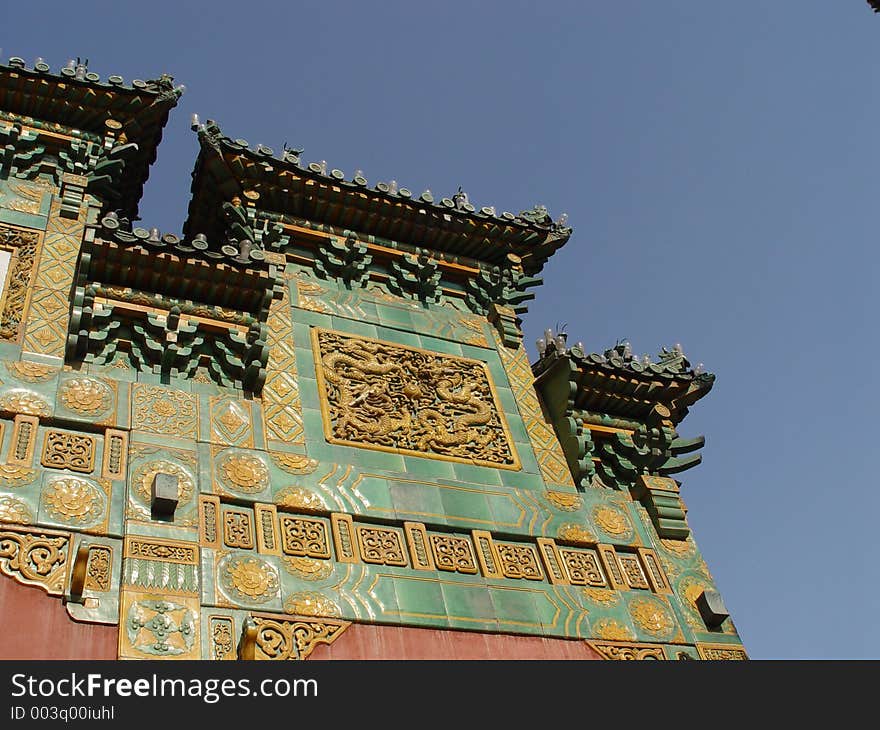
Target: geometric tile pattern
231,422
281,401
46,330
554,468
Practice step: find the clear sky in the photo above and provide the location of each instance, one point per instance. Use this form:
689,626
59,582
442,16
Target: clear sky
718,163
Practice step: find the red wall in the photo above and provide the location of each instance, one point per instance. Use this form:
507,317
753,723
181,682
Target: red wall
37,626
370,641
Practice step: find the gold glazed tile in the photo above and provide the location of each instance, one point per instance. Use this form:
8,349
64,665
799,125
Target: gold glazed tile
390,397
722,652
24,439
381,546
453,553
156,626
628,651
419,551
266,521
64,450
303,536
23,245
166,411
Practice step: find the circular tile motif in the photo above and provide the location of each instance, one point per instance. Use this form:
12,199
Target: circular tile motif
14,510
14,475
310,603
611,521
142,481
243,473
24,401
678,547
690,587
577,534
299,498
602,596
612,630
249,579
30,372
294,463
308,568
86,396
74,501
652,616
564,501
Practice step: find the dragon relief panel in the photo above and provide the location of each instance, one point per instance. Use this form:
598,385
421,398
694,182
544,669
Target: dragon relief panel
390,397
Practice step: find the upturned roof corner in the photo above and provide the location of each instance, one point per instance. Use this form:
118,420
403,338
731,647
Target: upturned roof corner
285,188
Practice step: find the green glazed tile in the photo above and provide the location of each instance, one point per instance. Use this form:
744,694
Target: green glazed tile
467,507
473,474
515,609
420,600
417,502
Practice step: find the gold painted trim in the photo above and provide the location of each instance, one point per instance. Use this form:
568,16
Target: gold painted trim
552,562
613,571
205,521
268,541
326,420
344,539
29,446
417,537
482,548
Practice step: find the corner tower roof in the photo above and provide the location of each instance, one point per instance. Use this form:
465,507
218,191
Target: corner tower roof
78,100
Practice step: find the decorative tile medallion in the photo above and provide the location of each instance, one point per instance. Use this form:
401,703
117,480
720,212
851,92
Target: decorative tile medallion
74,501
248,579
164,411
87,397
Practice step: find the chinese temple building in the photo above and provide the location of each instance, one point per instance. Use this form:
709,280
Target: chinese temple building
307,426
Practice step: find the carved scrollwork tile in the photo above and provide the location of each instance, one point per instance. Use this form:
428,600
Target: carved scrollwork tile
381,546
722,652
621,651
23,245
519,561
238,529
453,553
63,450
35,558
279,638
583,567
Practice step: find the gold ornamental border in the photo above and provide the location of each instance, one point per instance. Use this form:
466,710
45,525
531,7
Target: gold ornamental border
327,420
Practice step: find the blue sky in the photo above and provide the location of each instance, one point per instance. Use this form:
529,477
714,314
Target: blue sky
718,163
